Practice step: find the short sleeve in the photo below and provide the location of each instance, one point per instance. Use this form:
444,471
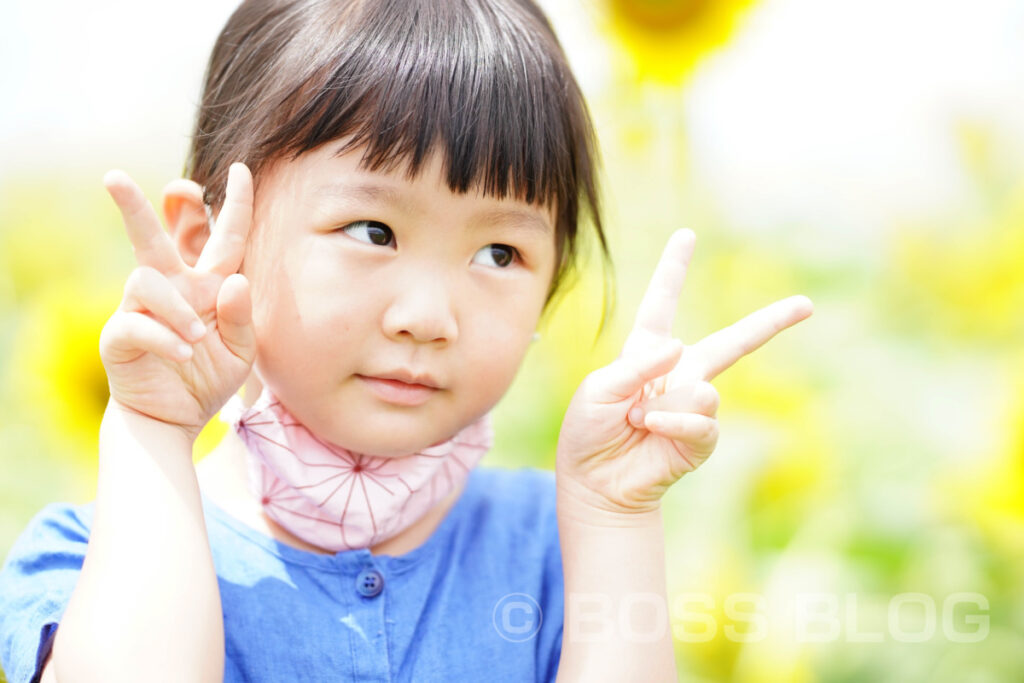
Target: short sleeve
36,581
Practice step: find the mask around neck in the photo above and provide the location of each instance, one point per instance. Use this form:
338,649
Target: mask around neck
339,499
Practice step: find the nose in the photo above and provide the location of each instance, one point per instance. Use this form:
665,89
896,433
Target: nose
421,308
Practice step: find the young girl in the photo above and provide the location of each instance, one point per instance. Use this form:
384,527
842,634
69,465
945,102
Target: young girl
381,201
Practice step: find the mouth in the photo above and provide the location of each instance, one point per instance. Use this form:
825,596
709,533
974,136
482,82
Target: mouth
396,391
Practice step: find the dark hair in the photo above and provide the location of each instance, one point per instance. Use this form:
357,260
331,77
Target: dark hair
485,82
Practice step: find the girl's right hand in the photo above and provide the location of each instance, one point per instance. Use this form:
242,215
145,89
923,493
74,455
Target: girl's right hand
182,341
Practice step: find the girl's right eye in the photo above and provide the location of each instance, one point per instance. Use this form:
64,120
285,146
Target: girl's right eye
378,233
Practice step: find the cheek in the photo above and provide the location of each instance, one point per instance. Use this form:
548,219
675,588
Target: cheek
327,300
288,316
497,352
500,329
270,286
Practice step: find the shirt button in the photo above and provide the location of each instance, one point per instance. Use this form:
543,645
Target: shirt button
369,583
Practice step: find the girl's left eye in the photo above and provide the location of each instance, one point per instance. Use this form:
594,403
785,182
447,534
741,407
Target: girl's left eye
506,255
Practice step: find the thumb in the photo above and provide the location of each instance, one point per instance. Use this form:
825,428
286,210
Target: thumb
234,316
627,375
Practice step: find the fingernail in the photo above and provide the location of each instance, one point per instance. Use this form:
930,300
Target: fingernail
184,351
197,330
636,415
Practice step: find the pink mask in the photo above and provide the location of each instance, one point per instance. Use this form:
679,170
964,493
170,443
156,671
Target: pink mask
338,499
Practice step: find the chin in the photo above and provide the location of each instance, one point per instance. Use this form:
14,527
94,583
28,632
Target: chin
388,430
369,444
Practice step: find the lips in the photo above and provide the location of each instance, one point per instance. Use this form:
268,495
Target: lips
409,377
396,391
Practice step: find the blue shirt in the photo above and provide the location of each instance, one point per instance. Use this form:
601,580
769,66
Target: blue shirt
481,599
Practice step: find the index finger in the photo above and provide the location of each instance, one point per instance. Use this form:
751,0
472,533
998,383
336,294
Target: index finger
658,307
152,245
225,249
718,351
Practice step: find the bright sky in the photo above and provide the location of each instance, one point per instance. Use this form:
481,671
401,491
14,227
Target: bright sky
838,111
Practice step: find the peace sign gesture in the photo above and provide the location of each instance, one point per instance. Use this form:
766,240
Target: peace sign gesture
182,340
637,425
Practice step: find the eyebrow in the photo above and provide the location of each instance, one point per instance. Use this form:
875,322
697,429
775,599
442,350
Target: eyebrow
519,218
366,192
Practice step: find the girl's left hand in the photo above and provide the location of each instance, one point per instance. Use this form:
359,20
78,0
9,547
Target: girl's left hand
637,425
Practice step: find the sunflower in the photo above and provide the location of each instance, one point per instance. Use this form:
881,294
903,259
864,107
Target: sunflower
666,39
55,371
64,264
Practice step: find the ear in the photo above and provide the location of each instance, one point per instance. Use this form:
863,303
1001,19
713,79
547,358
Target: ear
186,218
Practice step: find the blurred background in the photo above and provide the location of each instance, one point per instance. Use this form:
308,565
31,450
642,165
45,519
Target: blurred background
867,154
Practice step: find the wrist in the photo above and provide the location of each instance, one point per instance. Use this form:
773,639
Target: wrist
126,417
576,503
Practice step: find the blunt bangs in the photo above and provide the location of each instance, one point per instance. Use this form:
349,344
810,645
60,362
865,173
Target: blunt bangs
461,76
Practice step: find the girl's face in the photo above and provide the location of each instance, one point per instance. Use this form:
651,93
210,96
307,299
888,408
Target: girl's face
357,273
